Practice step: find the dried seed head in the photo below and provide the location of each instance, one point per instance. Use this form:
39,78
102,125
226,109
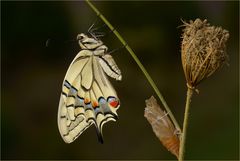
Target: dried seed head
162,126
203,50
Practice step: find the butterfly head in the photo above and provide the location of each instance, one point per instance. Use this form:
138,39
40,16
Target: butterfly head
87,42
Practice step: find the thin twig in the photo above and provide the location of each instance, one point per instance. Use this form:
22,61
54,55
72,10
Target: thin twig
139,64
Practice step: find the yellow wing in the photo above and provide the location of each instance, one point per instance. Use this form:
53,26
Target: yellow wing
87,98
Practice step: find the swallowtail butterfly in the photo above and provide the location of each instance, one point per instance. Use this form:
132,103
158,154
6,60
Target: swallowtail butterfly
87,95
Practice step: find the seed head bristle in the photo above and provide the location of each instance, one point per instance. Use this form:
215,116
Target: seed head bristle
203,50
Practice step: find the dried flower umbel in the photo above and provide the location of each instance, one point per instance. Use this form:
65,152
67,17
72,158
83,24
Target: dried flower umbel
162,126
203,50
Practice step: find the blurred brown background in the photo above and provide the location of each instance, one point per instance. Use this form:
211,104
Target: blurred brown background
32,76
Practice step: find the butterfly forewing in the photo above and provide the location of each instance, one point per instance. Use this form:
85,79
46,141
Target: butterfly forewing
87,95
87,74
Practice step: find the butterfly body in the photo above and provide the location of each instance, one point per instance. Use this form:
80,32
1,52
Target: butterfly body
87,95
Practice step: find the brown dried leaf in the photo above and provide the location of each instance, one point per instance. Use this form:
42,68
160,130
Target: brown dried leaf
162,126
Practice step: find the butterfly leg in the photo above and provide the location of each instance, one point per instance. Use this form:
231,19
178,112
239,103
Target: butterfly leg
117,49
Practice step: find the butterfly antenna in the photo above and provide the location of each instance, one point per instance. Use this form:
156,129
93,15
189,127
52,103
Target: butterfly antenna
90,29
97,28
93,35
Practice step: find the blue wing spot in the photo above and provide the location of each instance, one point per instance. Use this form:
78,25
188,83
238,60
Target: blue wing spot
89,105
67,84
80,101
73,90
101,101
97,110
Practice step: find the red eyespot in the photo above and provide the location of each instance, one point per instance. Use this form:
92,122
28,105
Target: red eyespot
114,103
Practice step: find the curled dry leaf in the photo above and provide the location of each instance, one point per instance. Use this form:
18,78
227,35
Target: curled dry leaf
162,126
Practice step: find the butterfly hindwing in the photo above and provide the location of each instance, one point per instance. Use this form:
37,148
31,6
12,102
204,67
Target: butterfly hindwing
87,97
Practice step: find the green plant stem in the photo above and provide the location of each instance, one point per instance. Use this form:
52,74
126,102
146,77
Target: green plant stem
139,64
185,125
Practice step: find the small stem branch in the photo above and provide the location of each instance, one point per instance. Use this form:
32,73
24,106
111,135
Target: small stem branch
139,64
185,125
